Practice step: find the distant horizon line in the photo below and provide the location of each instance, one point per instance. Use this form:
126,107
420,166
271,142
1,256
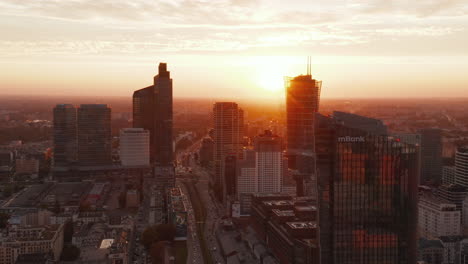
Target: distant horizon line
41,96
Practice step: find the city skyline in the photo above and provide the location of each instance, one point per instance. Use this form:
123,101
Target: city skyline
241,48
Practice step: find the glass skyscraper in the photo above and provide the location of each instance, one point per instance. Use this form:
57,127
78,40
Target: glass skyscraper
367,189
94,135
228,124
302,102
65,143
152,110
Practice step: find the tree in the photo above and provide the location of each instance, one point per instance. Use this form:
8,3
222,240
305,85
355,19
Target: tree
56,208
4,217
165,232
68,231
156,233
148,237
85,206
157,252
122,200
70,253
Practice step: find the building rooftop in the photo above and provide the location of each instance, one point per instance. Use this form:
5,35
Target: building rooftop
426,243
302,225
279,212
278,203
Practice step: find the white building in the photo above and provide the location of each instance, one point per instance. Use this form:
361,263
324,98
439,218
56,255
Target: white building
28,240
134,147
438,217
448,174
261,170
269,162
461,166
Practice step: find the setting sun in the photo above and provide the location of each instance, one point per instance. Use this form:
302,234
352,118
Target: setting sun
271,81
271,72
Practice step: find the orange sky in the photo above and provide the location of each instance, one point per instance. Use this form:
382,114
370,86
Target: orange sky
235,48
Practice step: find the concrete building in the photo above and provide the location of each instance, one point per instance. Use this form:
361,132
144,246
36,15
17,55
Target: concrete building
464,216
29,166
448,174
28,240
437,217
453,193
287,226
430,251
94,135
270,164
461,166
133,198
228,124
261,170
134,147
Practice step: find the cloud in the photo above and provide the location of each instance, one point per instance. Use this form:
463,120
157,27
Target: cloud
131,27
424,8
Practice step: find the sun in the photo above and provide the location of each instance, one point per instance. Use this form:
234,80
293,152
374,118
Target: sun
271,79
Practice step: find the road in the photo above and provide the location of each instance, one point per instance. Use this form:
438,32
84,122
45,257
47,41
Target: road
213,213
193,243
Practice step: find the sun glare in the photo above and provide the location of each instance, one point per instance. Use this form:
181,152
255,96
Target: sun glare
271,75
271,81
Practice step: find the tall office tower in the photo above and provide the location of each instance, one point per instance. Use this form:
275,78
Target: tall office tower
461,166
431,155
302,102
94,135
64,134
152,110
134,147
228,124
370,125
367,190
270,162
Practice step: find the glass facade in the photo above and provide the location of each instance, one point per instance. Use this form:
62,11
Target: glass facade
64,134
152,110
368,195
302,102
94,135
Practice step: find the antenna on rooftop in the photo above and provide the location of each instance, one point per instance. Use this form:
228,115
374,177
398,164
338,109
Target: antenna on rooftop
309,66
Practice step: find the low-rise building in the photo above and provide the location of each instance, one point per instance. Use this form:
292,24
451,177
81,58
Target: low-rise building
18,240
288,227
438,217
430,251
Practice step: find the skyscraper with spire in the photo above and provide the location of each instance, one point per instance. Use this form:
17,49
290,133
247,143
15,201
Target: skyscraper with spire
152,110
302,103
